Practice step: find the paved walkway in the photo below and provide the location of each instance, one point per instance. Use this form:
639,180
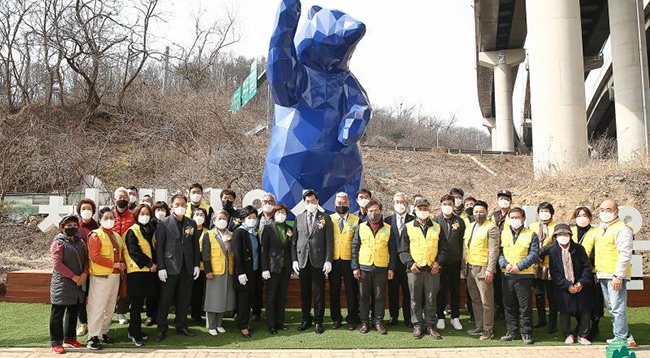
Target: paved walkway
510,352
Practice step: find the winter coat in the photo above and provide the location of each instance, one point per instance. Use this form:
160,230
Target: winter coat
565,301
69,259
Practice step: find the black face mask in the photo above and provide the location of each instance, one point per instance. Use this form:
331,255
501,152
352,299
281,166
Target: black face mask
481,218
71,231
374,217
469,211
122,204
342,209
226,204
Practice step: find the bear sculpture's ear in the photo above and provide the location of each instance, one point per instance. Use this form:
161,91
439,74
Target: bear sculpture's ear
314,9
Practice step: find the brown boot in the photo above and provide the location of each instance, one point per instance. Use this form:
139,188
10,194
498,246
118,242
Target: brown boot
433,333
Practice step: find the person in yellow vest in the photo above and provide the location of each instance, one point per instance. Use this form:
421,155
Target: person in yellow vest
422,252
501,218
543,283
469,219
105,251
196,201
219,266
519,251
481,254
585,234
373,263
613,255
344,226
200,217
141,268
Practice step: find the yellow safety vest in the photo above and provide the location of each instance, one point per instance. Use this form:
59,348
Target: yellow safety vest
606,251
476,251
218,256
374,247
204,206
131,266
343,240
589,240
515,252
423,250
201,247
106,251
534,227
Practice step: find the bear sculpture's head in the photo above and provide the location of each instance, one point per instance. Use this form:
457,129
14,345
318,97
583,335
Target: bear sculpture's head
328,39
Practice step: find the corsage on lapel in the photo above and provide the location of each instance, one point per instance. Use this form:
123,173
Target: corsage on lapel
321,223
455,226
351,227
189,231
237,221
289,232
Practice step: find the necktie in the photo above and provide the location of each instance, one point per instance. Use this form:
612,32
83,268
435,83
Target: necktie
341,224
310,222
400,224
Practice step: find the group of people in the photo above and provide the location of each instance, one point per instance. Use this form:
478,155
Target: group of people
143,257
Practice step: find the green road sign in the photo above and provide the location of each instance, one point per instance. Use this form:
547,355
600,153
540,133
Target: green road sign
235,101
249,87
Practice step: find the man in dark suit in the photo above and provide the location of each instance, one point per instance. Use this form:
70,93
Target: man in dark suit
396,222
177,247
312,258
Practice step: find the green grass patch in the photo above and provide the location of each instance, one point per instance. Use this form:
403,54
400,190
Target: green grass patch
26,325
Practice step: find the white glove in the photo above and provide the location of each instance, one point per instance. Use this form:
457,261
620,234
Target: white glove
266,275
327,267
196,272
296,267
242,279
162,275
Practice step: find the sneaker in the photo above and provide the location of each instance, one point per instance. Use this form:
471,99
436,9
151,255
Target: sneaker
106,339
630,341
510,336
527,338
486,335
584,341
72,343
82,330
440,324
94,343
213,332
58,349
569,339
121,319
455,322
143,338
137,342
149,322
221,330
476,331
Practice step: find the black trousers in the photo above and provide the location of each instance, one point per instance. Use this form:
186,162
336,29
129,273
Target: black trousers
276,298
135,317
498,293
198,294
372,291
258,300
342,272
582,328
518,304
399,281
544,289
152,305
449,286
245,298
310,276
178,288
61,329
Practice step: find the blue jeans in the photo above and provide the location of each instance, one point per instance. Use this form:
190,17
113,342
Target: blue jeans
616,302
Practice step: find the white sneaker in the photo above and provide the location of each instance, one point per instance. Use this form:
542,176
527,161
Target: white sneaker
441,324
82,330
221,330
455,322
121,318
213,332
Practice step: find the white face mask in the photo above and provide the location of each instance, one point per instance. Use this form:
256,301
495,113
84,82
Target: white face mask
196,197
606,217
311,208
144,219
199,220
458,201
363,202
132,199
108,224
161,214
221,224
400,208
267,208
582,221
180,210
544,215
251,222
446,209
516,223
503,203
422,214
86,214
563,240
280,218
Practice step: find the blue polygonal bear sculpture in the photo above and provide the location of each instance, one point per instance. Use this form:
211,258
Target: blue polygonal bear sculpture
321,110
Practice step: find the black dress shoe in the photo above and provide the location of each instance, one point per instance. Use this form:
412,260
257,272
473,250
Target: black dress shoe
304,325
185,332
337,324
273,331
393,321
160,336
319,328
284,327
352,326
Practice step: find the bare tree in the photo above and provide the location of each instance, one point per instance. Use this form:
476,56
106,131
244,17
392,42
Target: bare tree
12,17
